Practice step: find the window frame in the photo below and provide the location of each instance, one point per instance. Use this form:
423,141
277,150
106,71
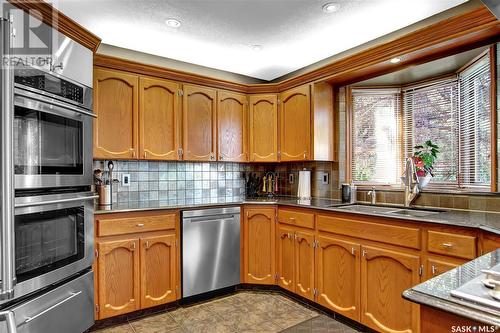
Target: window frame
441,186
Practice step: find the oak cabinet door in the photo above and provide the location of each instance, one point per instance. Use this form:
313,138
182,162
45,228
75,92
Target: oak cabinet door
304,263
286,257
338,276
385,274
158,270
438,266
158,119
295,124
199,126
259,246
118,265
263,128
116,107
232,121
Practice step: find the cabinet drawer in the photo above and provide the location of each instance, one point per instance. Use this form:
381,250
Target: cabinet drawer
462,246
299,219
380,232
129,225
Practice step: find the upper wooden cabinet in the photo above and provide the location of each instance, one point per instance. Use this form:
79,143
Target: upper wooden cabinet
295,124
263,128
385,274
158,119
324,123
199,125
116,107
259,245
232,127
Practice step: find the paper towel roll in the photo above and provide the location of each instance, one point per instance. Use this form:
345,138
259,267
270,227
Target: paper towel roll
304,190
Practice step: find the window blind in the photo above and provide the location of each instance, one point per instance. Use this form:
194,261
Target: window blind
431,113
376,144
474,123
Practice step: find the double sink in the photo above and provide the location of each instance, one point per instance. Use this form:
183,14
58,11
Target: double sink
390,211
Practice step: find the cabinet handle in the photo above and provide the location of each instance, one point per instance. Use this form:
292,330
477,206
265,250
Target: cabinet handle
353,251
145,154
140,225
447,245
433,270
133,152
304,155
221,157
133,246
364,253
146,244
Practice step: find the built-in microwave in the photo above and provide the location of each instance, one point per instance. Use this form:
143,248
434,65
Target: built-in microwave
52,131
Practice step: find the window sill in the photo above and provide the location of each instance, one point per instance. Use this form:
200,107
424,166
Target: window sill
390,188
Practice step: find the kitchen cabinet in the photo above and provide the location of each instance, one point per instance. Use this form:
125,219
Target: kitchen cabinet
137,262
158,270
295,124
259,245
263,128
158,119
304,263
119,285
325,121
199,123
385,274
116,106
488,242
438,266
285,257
232,127
338,275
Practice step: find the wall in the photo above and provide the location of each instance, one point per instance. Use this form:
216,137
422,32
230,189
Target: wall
176,183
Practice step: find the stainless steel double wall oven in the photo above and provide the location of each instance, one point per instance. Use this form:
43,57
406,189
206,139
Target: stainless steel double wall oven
46,246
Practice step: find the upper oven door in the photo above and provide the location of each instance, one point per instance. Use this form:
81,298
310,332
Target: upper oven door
53,237
52,142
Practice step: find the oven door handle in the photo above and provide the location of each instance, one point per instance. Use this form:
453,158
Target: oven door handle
9,320
52,202
73,295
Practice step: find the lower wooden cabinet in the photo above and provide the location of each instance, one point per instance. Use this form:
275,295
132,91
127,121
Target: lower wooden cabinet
338,279
119,278
304,263
259,245
285,257
385,274
158,270
139,270
438,266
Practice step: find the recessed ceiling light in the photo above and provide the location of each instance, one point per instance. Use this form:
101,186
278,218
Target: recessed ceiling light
330,7
256,47
173,23
395,60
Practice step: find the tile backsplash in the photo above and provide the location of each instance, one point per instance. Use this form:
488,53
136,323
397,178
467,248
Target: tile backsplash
176,183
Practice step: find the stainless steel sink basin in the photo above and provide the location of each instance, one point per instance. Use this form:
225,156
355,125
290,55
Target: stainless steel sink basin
367,209
389,211
414,212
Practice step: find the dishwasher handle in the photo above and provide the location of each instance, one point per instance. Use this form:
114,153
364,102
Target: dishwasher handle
217,218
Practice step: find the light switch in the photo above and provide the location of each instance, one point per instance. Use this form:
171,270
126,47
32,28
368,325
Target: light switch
126,179
325,178
291,178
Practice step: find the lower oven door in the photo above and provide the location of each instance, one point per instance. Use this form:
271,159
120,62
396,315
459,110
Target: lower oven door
53,239
66,308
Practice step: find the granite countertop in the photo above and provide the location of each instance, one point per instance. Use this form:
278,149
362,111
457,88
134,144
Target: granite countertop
436,291
473,219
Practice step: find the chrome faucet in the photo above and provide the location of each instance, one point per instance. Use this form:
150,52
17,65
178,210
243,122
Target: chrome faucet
411,182
373,196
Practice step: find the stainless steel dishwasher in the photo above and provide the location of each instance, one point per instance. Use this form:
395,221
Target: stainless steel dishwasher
210,249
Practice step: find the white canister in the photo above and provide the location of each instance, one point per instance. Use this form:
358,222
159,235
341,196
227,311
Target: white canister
304,189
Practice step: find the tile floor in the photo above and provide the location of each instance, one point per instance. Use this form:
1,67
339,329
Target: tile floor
245,311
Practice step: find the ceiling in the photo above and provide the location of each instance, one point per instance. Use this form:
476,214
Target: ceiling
425,71
291,34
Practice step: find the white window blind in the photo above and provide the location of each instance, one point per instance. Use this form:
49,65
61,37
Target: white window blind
474,122
431,113
376,144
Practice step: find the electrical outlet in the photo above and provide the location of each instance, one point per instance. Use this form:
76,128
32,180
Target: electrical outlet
325,178
291,178
126,179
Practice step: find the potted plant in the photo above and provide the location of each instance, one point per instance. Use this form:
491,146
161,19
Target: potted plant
424,156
